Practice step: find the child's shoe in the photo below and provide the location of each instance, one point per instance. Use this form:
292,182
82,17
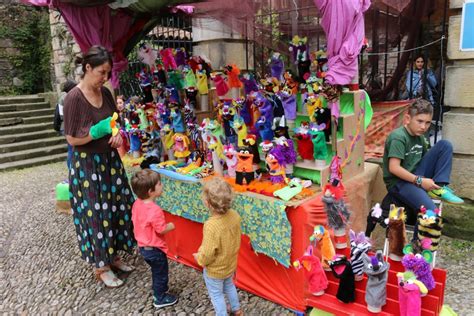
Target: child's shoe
446,194
167,300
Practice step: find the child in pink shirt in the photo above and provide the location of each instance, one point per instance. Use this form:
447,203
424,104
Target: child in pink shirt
149,226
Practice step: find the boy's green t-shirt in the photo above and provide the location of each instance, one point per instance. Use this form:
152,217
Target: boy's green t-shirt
410,149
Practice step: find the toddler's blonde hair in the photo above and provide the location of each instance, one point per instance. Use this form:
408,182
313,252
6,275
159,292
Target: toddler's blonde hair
218,194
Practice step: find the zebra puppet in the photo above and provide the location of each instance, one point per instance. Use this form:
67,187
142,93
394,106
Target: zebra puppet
360,244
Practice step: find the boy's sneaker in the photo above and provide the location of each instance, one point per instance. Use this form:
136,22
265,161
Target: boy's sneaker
446,194
167,300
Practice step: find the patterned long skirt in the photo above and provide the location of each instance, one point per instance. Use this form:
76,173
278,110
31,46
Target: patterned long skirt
101,201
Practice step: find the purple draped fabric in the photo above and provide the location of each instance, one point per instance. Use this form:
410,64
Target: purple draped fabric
343,23
95,26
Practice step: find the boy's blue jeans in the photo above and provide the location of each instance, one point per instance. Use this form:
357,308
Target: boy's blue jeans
158,262
436,164
216,289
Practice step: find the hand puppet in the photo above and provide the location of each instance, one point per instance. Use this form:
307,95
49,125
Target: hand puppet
244,173
321,235
430,224
396,233
410,291
313,272
360,245
341,268
377,273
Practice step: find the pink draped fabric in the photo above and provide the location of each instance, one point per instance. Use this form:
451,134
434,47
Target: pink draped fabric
95,26
38,3
343,23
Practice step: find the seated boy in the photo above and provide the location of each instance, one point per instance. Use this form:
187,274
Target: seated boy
411,172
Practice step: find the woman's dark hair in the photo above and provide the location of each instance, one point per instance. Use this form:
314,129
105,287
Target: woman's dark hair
68,85
419,56
95,56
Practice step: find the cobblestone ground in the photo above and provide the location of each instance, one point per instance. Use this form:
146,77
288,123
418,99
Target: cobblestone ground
41,271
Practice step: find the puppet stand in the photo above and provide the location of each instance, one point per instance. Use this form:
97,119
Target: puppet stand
235,93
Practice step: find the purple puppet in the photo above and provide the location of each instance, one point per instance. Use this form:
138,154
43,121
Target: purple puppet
277,66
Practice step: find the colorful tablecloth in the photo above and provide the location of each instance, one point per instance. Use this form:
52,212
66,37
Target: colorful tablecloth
264,220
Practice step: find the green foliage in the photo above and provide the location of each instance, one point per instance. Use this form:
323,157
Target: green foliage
29,30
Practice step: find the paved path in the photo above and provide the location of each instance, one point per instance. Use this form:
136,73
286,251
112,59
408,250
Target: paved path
41,271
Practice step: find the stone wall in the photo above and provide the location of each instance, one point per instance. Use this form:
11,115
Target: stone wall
7,49
64,51
459,123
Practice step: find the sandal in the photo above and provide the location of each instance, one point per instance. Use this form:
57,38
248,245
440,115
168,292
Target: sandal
108,277
118,264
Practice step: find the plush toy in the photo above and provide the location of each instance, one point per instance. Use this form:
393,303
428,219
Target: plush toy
143,125
321,235
250,84
233,72
293,188
276,163
264,128
277,66
227,112
216,129
430,224
396,232
214,144
376,216
167,137
135,142
289,152
251,142
266,146
147,55
177,121
181,145
159,76
341,268
417,259
240,128
336,210
175,79
289,104
335,169
230,159
105,127
313,272
189,78
180,57
303,140
168,59
377,273
290,83
360,245
312,102
320,149
244,173
172,94
323,116
410,291
221,85
202,84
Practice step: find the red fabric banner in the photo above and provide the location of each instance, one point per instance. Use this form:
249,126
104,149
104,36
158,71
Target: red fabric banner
387,117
